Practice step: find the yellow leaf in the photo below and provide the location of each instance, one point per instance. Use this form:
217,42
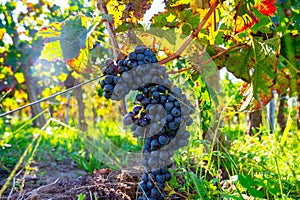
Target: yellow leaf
20,77
52,51
2,32
171,18
62,77
181,2
53,30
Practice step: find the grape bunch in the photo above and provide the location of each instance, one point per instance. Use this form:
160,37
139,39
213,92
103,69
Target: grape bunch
113,71
160,115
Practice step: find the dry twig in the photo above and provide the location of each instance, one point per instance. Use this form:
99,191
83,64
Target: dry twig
14,184
43,186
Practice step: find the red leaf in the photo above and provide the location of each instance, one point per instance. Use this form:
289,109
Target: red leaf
266,7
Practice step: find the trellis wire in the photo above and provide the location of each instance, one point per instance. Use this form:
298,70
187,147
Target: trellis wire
51,96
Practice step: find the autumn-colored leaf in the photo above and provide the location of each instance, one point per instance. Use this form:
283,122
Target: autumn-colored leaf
50,31
242,23
52,51
266,7
80,63
2,32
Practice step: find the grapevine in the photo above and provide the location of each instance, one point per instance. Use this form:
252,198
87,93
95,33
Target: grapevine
160,116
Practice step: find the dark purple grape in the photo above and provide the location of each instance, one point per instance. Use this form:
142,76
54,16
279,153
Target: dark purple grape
155,144
140,63
173,126
109,79
137,109
140,57
145,102
148,52
155,193
132,56
154,59
175,112
169,118
169,106
120,63
127,120
162,99
163,139
147,59
108,88
140,49
152,162
161,88
168,176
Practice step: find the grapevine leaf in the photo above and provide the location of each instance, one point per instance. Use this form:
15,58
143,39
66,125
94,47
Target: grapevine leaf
239,69
69,41
52,51
122,28
256,193
168,35
186,29
264,56
73,36
51,31
80,63
263,24
181,2
159,20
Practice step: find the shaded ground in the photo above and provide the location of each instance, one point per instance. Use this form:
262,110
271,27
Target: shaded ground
103,184
66,182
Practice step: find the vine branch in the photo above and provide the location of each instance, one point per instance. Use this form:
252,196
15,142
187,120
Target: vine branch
222,52
110,29
208,60
101,5
192,35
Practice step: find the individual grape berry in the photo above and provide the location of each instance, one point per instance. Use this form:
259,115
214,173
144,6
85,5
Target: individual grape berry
139,97
140,49
168,176
155,144
140,57
132,56
148,52
147,59
108,62
108,88
155,193
175,112
150,184
102,83
169,106
137,109
109,79
127,120
163,139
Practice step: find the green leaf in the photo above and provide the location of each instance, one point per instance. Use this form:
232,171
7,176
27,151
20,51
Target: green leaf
168,35
186,29
256,193
245,180
73,36
122,28
239,69
160,20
